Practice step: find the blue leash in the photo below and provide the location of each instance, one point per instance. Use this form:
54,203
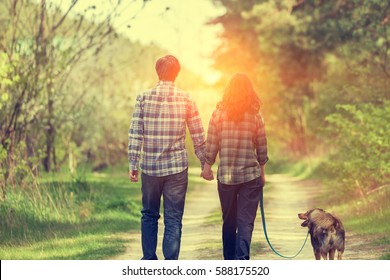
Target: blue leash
266,236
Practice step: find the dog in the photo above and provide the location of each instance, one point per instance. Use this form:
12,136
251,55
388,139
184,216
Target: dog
327,233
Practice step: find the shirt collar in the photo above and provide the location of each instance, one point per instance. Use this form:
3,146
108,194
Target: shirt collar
163,83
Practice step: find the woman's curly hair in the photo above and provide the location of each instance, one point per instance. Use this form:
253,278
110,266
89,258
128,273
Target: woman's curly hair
239,97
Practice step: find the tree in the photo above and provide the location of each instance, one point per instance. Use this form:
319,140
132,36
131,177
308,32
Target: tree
329,65
42,47
286,45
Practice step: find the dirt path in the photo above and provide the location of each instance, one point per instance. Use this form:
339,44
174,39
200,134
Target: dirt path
200,237
284,197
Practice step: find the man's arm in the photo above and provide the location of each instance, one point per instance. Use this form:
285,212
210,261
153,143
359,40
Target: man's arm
212,146
136,134
195,127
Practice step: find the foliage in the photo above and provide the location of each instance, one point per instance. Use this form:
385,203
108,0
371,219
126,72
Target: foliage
66,85
68,82
362,160
321,68
368,216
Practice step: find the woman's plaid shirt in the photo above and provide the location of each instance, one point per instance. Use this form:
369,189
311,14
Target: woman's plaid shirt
158,128
242,147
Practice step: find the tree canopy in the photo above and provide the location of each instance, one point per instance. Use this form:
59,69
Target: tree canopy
322,69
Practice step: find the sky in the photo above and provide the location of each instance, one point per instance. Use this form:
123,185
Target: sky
176,25
181,29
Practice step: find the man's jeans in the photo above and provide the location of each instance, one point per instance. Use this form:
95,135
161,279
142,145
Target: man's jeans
239,205
173,188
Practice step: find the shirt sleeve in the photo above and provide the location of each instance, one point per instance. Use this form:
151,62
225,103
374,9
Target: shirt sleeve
136,133
196,130
261,141
212,146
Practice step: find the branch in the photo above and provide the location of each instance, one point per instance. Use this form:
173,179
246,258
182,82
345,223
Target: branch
377,189
14,116
74,2
384,22
298,5
15,22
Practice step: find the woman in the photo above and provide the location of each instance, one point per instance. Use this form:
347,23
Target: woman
236,132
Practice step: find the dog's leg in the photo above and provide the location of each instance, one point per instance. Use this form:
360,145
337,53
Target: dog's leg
324,255
331,254
317,254
340,255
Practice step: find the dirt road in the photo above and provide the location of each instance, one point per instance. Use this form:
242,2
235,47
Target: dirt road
284,197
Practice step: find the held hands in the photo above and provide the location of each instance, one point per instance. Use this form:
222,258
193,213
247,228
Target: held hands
133,175
207,173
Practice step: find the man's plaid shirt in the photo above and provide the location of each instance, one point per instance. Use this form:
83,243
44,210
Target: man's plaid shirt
242,147
158,128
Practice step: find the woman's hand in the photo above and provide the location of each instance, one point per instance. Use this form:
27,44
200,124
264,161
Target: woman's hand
207,173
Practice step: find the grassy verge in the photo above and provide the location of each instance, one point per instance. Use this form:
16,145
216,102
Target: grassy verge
369,216
78,218
69,218
363,214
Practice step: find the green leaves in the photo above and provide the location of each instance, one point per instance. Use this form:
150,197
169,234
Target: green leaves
322,69
6,79
363,142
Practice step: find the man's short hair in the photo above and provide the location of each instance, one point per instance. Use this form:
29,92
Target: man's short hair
167,68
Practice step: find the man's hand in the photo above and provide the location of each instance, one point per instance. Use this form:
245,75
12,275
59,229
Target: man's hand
207,173
133,175
209,176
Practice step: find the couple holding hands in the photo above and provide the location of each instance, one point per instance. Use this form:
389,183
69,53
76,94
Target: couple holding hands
157,146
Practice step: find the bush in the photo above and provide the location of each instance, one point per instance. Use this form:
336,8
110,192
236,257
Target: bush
362,160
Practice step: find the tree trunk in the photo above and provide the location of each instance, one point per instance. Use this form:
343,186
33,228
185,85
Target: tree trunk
50,136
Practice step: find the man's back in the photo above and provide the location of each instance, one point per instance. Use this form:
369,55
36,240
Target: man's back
159,122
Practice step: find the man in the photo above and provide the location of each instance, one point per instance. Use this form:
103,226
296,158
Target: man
158,127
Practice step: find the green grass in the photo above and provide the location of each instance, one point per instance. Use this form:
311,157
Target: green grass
83,247
89,216
369,216
69,218
72,217
304,168
381,242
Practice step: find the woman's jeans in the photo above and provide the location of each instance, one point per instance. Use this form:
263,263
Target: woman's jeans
239,207
173,188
